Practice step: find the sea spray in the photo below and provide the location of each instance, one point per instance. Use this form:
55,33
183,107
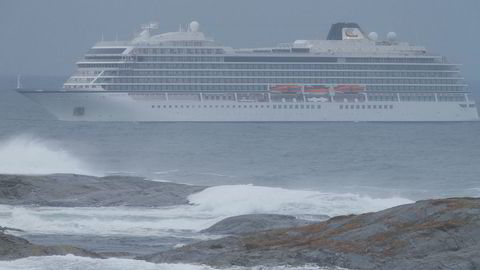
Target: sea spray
26,154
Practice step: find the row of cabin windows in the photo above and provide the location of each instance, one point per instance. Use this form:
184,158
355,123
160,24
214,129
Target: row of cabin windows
418,97
264,66
416,88
338,98
179,59
363,107
83,86
148,51
291,66
277,80
268,73
392,60
269,59
191,87
248,87
276,106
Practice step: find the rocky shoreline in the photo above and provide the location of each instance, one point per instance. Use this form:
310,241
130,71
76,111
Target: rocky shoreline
13,247
429,234
72,190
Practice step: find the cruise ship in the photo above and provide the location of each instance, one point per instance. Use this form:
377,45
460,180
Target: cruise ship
187,76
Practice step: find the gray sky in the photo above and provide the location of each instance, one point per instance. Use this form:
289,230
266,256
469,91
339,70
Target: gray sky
47,37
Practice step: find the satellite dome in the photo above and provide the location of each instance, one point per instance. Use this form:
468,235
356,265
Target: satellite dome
194,26
373,36
391,36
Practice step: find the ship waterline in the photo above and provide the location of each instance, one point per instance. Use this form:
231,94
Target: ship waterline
185,76
125,106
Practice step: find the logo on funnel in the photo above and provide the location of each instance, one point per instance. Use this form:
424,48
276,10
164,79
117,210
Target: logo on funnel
350,32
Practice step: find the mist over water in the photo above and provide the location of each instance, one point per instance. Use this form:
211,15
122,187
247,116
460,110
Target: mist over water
25,154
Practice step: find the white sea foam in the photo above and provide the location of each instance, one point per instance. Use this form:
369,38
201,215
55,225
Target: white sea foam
167,171
215,174
73,262
230,200
207,207
28,155
70,262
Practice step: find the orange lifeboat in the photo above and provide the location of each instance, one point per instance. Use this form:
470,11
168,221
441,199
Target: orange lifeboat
286,88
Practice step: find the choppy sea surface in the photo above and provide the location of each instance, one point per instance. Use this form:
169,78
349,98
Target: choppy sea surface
302,169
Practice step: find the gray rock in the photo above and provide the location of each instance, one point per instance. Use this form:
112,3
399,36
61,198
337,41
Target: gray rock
432,234
4,229
254,223
12,247
70,190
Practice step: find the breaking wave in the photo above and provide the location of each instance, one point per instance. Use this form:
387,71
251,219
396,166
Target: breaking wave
27,155
230,200
207,207
70,262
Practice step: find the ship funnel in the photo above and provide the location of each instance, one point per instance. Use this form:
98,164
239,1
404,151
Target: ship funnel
345,31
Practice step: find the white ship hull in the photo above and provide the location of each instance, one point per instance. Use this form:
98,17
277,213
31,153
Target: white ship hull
120,106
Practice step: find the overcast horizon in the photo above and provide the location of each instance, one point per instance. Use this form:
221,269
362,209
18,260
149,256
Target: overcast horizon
48,37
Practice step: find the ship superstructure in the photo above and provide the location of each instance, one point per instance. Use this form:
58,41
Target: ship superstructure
185,76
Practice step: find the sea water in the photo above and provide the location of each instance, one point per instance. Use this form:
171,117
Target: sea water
307,170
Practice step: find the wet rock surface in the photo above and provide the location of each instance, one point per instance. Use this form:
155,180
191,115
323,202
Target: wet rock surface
255,223
431,234
13,247
70,190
